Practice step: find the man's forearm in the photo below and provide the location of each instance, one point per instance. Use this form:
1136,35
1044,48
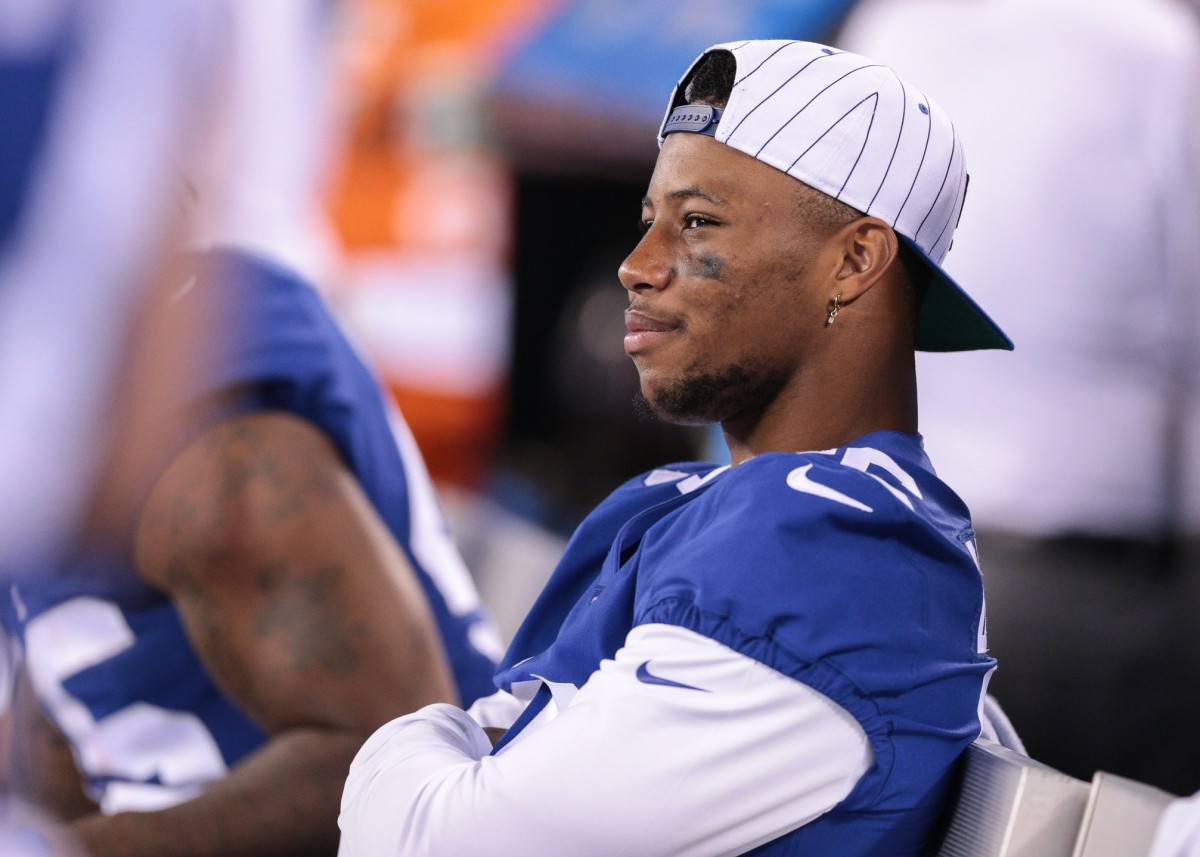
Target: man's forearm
614,772
39,767
283,800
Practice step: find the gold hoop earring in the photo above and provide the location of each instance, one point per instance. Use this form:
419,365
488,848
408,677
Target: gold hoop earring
836,306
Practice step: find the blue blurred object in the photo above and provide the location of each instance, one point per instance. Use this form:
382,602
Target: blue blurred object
715,448
28,85
622,55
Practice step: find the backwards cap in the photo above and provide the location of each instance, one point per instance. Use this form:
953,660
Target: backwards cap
854,130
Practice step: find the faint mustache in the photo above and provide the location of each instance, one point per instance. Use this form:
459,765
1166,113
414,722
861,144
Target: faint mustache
638,319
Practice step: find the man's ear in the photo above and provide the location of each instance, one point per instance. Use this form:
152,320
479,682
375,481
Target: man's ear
867,248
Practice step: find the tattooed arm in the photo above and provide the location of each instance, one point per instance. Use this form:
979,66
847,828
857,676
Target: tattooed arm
305,613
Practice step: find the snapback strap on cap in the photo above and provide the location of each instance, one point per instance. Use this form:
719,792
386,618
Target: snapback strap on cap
693,118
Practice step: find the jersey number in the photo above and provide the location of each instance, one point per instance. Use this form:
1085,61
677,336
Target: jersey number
136,746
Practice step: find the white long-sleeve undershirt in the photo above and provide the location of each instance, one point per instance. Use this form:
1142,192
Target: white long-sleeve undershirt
741,756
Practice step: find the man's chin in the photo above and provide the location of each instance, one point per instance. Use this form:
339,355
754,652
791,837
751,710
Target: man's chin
647,408
698,399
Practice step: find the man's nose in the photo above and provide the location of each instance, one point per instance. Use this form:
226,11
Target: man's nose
648,266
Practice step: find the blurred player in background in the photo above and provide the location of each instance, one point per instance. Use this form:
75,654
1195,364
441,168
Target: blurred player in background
85,88
276,578
787,655
88,90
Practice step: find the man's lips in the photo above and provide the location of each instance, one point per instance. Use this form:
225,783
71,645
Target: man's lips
645,330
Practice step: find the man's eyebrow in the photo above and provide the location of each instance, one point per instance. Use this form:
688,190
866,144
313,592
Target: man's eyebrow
692,192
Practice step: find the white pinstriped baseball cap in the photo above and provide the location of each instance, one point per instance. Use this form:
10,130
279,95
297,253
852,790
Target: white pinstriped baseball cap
854,130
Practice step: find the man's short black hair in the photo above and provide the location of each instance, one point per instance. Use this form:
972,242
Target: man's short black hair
712,81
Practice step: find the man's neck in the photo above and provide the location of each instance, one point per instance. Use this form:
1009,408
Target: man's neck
830,411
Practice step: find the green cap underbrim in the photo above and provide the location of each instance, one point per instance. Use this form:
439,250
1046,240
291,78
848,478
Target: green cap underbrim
948,319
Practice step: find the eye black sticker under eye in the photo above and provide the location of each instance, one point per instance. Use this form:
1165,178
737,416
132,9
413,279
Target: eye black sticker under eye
706,265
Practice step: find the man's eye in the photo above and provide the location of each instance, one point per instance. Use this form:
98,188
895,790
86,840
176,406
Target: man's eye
691,221
644,225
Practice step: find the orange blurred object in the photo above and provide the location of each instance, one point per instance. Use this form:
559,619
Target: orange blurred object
422,203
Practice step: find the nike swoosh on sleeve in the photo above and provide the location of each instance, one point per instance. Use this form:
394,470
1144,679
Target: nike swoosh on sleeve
646,677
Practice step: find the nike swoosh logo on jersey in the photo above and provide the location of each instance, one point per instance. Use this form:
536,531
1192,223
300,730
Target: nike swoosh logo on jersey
799,480
646,677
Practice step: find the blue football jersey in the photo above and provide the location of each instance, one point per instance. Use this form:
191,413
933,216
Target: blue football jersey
108,655
851,570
